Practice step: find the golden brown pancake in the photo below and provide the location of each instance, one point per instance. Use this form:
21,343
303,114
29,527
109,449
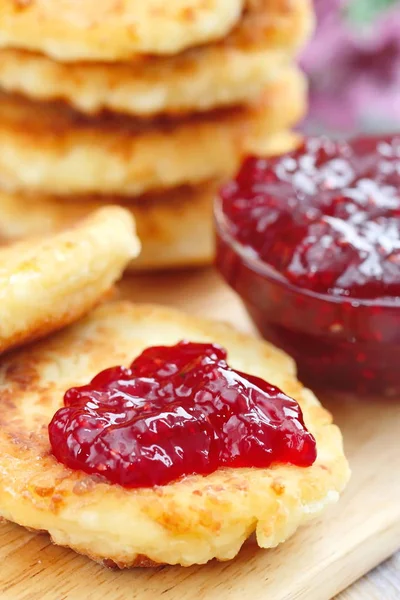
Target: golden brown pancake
107,30
175,227
186,522
49,283
199,80
88,30
230,72
51,149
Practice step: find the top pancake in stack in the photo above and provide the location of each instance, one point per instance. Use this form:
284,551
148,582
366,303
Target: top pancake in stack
129,98
113,30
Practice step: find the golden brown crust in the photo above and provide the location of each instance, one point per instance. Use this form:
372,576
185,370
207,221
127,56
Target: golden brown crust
190,521
49,283
230,72
141,562
68,31
175,227
50,150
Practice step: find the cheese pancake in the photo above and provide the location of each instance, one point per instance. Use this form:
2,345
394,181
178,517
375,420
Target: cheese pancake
175,227
109,30
189,521
51,149
233,71
48,283
196,81
89,31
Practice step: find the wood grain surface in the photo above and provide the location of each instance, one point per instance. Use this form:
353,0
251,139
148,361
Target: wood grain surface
320,561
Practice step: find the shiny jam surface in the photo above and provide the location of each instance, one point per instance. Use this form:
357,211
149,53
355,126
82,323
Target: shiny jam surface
177,411
326,218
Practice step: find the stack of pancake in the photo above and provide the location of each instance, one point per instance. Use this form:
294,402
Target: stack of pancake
145,103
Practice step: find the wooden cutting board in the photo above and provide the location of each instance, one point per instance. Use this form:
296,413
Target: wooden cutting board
316,564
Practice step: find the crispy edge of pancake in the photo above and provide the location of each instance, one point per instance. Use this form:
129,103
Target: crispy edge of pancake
278,23
46,284
46,150
175,227
189,521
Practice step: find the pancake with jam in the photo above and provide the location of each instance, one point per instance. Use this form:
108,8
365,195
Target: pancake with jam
48,283
175,227
108,504
52,149
233,71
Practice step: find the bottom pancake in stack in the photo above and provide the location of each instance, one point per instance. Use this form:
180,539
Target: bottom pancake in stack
175,226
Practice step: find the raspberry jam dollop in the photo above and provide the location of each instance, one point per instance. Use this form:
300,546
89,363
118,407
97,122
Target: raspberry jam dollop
311,240
177,411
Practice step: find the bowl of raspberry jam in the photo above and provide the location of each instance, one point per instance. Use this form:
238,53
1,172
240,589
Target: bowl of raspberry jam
311,242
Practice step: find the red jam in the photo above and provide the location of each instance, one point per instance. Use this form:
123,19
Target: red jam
177,411
311,240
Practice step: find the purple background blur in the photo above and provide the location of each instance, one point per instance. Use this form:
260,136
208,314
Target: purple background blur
353,64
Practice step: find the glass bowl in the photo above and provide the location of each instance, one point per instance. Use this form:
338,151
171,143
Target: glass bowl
338,343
